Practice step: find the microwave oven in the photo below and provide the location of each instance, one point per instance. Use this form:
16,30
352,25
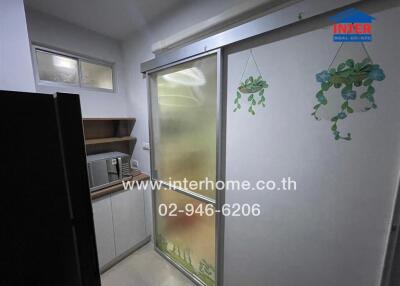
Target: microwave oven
107,169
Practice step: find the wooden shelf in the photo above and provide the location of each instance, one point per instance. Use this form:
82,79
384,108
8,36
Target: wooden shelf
108,140
109,134
118,187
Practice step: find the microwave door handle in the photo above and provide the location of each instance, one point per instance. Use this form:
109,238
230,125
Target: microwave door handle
120,168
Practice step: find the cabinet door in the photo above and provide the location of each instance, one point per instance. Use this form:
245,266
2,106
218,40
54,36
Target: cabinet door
103,224
129,221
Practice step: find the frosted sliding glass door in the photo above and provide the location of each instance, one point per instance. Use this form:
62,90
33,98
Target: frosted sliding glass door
187,240
184,148
184,122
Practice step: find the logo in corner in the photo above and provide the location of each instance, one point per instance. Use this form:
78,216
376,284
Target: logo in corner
352,25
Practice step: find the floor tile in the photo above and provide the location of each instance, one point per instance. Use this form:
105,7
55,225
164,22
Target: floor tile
144,267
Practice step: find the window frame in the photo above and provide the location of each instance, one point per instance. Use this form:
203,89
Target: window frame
80,74
79,59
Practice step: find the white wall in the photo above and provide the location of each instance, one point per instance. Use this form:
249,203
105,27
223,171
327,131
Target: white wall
16,71
333,229
188,14
58,34
135,49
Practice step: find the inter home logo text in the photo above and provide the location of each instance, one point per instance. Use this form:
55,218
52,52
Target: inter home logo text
352,25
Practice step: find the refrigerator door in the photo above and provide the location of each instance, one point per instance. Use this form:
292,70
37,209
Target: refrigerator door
74,154
47,221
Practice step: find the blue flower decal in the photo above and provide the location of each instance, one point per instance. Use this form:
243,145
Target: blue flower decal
342,115
376,73
348,94
346,77
323,76
321,98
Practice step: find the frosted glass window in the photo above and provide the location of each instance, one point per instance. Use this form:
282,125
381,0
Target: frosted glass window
189,240
60,68
97,75
184,111
57,68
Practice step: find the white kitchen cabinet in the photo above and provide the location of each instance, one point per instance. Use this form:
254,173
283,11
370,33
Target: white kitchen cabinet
103,224
129,219
119,221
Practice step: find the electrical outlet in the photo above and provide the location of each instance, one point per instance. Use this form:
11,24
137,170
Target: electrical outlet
146,146
135,164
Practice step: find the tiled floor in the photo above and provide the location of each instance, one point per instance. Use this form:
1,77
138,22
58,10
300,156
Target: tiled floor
144,268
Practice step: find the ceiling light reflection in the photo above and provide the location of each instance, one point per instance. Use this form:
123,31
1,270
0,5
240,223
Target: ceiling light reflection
64,62
189,77
177,100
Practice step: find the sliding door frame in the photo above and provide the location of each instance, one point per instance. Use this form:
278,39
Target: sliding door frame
220,168
283,13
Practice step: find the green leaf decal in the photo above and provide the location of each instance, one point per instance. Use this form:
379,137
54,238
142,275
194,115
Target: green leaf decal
350,63
341,66
367,82
371,89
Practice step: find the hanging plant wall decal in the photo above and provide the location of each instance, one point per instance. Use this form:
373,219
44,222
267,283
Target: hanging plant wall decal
251,89
345,77
254,90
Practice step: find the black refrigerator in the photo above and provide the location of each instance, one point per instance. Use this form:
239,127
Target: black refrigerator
47,226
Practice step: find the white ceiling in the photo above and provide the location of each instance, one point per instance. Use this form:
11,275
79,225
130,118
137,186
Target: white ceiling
114,18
